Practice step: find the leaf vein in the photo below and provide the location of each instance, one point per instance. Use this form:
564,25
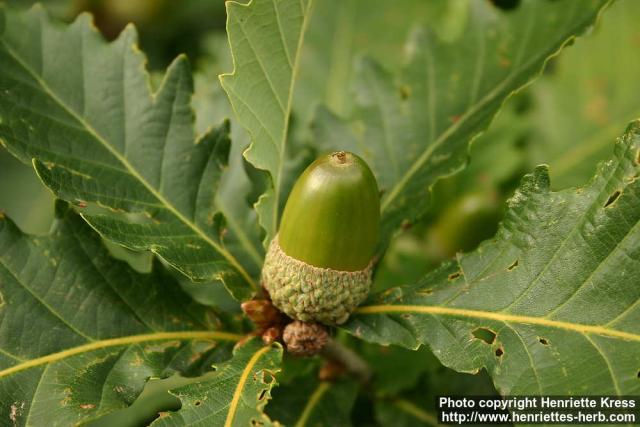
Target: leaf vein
230,258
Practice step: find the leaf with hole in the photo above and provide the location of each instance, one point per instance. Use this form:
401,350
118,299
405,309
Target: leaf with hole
235,395
82,332
552,296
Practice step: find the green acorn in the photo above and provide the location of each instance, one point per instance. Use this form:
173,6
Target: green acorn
318,267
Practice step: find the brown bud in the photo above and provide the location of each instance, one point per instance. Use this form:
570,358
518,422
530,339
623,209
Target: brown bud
271,334
305,339
330,370
261,312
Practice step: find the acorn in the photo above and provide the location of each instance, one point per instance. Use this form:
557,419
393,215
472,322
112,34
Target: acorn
318,267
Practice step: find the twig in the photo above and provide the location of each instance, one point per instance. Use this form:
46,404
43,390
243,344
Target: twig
353,363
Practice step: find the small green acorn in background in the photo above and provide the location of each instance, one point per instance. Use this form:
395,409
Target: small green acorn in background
318,267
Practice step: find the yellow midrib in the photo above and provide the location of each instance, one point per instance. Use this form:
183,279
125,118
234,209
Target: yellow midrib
313,401
415,411
233,407
280,142
501,317
114,342
287,117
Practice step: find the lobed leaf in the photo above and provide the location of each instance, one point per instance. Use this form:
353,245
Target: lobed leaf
234,197
84,111
235,395
80,332
266,38
414,128
551,305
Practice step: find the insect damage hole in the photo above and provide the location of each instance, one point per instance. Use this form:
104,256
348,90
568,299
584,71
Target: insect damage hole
454,276
638,375
405,92
425,292
197,403
543,341
484,334
513,265
506,4
499,352
613,198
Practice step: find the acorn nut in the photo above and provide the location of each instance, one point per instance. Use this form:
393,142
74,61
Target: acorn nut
318,267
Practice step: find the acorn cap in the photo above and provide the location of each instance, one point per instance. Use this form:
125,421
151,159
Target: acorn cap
332,216
319,267
313,294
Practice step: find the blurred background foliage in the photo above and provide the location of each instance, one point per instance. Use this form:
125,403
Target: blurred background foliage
568,118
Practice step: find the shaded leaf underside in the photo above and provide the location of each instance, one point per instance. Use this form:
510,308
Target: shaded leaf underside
235,195
266,39
83,110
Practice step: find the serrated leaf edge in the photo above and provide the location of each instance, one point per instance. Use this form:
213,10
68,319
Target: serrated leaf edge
275,181
178,61
422,159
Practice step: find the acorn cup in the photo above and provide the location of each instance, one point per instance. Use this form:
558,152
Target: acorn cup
318,267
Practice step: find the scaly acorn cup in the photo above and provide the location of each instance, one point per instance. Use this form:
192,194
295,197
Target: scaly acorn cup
318,267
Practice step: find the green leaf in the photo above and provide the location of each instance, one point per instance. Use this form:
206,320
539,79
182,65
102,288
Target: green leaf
418,405
406,260
309,402
33,213
83,110
496,157
266,38
588,96
82,332
395,368
233,199
403,412
235,395
341,31
154,399
553,296
414,128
